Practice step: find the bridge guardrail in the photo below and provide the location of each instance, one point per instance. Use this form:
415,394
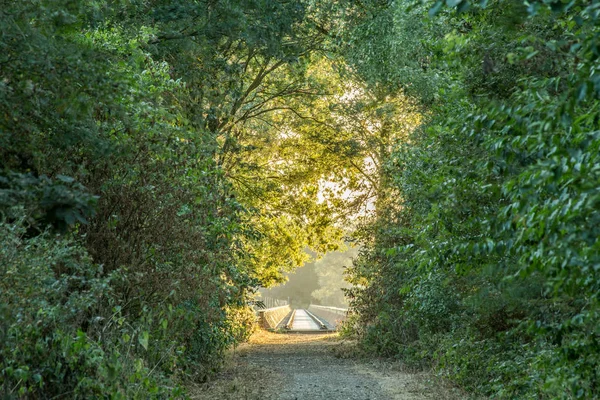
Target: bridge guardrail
269,318
334,315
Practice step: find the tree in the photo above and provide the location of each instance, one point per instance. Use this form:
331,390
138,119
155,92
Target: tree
467,270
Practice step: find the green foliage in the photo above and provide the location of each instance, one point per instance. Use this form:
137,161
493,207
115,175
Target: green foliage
161,160
244,71
486,268
135,131
53,334
59,203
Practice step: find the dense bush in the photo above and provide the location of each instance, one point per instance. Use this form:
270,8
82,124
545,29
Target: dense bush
54,337
487,266
136,221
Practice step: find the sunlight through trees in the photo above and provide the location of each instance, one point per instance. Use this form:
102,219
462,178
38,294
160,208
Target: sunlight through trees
163,160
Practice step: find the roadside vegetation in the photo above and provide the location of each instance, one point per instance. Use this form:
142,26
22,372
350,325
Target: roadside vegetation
144,195
162,160
483,259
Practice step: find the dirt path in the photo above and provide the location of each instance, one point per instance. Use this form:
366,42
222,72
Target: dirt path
308,366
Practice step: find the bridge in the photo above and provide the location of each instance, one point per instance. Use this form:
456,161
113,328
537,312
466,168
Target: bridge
313,319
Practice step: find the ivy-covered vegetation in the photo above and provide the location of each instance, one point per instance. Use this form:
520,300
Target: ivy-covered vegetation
161,160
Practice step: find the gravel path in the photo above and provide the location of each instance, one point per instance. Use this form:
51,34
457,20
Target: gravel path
305,367
308,369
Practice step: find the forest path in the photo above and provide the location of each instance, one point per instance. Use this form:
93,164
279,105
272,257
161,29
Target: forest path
308,366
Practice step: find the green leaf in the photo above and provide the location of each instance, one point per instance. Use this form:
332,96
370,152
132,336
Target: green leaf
531,55
436,8
463,6
581,92
66,179
143,339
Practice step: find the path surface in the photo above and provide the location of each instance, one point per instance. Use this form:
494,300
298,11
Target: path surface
304,322
305,367
309,370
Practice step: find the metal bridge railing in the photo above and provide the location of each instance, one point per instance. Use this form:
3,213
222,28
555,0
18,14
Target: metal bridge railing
271,302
